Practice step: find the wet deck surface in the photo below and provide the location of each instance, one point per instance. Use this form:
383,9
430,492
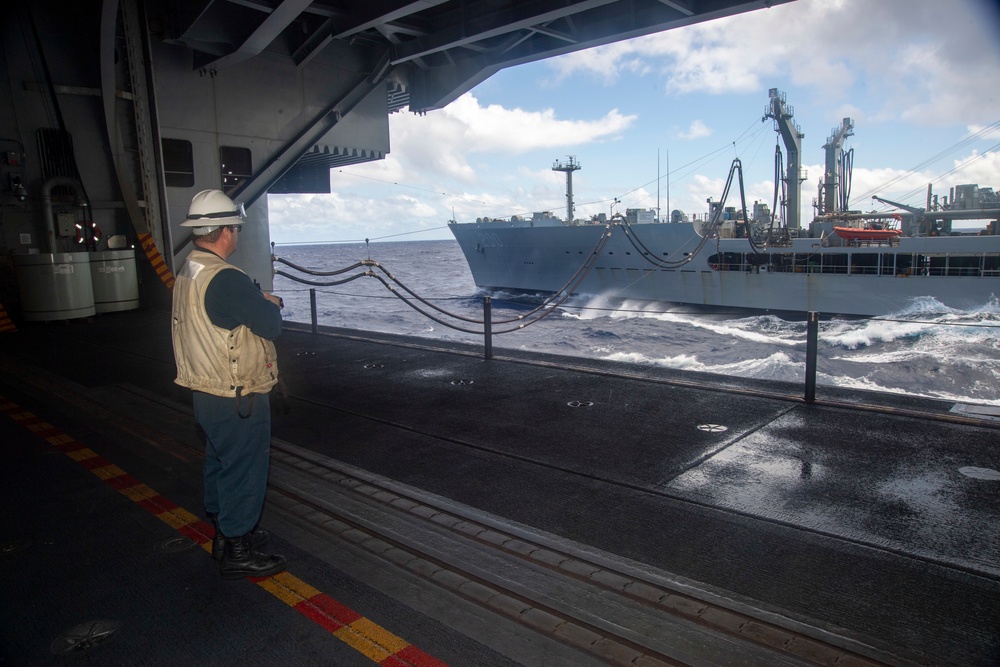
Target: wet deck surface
852,516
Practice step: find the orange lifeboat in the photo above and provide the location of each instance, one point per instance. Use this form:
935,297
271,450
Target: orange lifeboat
859,234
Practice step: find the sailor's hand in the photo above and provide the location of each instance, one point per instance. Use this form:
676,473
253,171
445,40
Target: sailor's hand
276,300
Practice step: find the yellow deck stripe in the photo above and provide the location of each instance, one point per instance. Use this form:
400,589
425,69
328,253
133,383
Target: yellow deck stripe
363,635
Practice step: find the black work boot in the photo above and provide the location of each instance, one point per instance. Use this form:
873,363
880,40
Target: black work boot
258,537
240,560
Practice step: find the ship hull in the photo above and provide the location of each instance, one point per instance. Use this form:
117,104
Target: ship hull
670,262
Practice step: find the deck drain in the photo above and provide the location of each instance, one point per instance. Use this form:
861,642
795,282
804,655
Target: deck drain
176,545
712,428
85,636
461,382
374,365
981,473
580,404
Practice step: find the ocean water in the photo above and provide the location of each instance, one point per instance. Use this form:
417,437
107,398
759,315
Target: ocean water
924,349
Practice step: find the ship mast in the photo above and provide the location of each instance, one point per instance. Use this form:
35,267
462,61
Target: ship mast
792,136
568,167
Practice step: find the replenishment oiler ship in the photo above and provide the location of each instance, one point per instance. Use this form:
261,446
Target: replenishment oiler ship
847,262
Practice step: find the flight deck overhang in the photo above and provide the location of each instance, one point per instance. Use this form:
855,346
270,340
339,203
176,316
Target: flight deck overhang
437,49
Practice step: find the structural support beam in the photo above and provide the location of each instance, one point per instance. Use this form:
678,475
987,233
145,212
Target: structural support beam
374,16
503,23
261,38
682,7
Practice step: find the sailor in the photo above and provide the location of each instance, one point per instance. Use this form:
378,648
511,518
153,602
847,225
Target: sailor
223,328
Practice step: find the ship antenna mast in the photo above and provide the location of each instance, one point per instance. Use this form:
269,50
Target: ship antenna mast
568,168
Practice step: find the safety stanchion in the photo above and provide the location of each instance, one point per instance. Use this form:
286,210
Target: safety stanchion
812,349
488,327
312,307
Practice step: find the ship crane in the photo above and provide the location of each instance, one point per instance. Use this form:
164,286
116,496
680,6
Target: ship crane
791,136
836,185
916,213
939,222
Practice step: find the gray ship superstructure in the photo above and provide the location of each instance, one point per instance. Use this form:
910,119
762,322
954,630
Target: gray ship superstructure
847,263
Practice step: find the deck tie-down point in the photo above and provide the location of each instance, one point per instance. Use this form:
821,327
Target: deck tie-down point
712,428
177,544
85,636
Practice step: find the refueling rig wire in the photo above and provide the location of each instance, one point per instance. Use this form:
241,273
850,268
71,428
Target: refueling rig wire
708,231
545,308
779,187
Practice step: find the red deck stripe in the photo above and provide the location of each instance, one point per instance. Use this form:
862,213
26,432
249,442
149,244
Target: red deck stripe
323,610
316,615
194,534
122,482
95,462
411,655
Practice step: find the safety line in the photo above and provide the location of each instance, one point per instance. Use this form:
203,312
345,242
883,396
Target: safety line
360,633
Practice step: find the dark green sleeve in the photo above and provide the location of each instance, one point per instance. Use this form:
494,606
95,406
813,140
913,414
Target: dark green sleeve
232,299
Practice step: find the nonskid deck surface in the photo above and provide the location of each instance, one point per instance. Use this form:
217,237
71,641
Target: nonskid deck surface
849,523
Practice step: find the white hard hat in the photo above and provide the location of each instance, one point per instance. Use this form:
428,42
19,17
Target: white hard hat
211,209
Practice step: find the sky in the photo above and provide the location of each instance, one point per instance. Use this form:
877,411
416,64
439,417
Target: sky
657,121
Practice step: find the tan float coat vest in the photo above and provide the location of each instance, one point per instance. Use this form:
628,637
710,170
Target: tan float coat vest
209,358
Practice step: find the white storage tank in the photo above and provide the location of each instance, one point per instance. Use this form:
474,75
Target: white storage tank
55,286
116,284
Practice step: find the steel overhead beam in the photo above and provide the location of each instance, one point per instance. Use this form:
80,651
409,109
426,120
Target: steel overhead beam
269,29
315,43
682,7
393,29
502,23
378,14
555,34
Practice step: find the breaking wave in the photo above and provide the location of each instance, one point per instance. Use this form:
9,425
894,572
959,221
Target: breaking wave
923,349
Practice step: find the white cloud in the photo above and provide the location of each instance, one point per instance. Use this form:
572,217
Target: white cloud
498,129
439,145
697,130
605,63
921,60
989,132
